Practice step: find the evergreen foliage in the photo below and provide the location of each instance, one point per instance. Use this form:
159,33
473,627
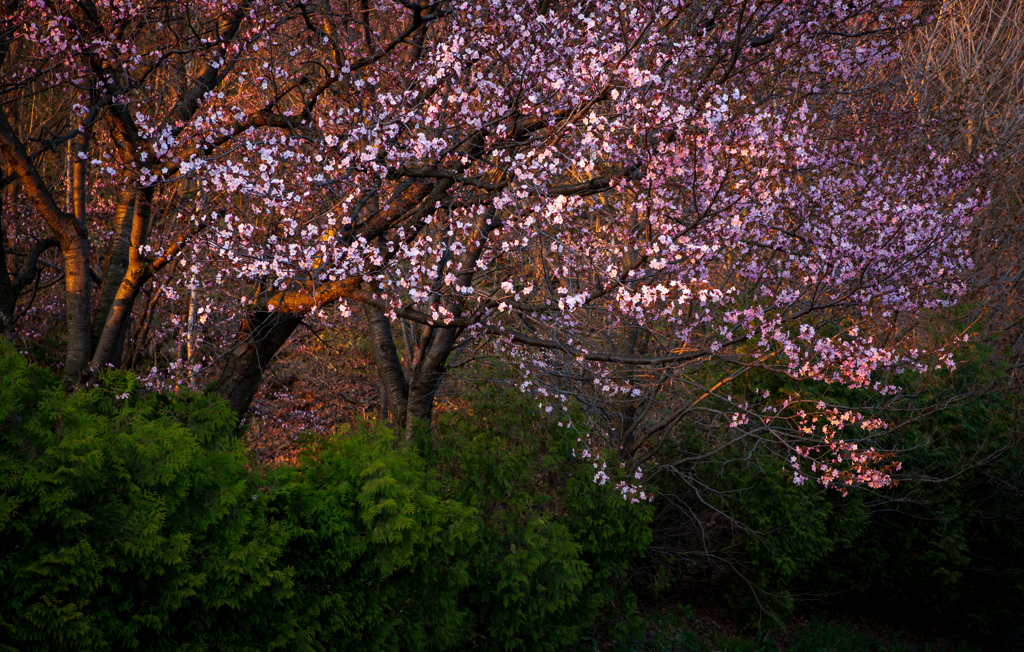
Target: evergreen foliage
121,512
130,520
382,559
555,547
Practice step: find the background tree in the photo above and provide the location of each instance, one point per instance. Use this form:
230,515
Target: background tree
964,75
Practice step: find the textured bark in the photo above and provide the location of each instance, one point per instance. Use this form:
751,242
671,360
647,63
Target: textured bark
408,394
430,364
263,334
79,177
394,392
76,288
115,328
116,264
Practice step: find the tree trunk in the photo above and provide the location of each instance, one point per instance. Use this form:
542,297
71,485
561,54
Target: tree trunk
394,394
408,396
74,245
117,262
263,334
77,302
429,366
110,343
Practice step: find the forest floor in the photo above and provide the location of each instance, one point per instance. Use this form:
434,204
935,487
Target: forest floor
709,628
310,391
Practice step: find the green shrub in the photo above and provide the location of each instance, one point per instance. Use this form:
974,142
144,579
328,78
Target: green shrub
382,559
555,547
118,511
130,520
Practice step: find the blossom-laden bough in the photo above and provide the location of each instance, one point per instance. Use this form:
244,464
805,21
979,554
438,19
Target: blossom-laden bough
636,203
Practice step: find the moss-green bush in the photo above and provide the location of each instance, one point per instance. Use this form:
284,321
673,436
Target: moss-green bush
118,512
130,520
381,557
555,547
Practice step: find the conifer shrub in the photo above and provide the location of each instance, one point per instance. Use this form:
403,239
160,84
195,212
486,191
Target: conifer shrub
121,512
380,558
129,520
555,547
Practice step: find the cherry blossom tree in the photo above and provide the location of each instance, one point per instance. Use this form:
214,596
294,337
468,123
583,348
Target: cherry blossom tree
634,203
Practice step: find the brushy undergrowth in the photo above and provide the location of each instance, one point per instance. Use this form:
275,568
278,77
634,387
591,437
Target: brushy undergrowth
132,520
129,520
945,545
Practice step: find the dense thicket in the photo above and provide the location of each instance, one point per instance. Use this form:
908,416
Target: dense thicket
130,520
